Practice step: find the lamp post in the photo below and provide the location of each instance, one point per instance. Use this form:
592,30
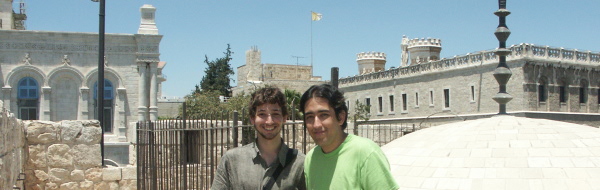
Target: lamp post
100,90
502,73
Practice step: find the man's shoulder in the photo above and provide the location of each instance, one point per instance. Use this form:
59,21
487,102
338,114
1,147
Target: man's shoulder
246,150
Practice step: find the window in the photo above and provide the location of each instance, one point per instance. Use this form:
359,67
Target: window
542,90
542,93
446,98
404,108
380,99
431,97
472,93
368,102
108,104
27,99
562,91
416,99
583,91
391,103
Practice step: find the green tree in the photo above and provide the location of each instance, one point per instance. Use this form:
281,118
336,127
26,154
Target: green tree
217,75
361,112
292,97
198,104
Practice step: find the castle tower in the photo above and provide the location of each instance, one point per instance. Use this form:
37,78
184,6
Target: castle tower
253,64
10,20
424,50
148,23
370,62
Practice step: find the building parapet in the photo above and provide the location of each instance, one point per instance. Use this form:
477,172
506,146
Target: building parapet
370,55
565,56
424,42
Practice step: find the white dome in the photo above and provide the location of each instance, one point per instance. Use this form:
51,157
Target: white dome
502,152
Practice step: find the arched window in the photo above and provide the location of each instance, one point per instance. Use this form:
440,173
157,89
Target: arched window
562,91
108,104
28,96
542,90
583,84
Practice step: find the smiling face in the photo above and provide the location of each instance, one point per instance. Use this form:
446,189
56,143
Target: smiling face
268,121
323,125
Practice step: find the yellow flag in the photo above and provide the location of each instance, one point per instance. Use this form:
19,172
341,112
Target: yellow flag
316,16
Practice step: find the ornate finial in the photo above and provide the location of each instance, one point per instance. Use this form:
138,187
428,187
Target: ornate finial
27,59
502,73
66,60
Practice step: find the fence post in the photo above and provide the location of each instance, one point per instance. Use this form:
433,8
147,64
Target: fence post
184,149
235,128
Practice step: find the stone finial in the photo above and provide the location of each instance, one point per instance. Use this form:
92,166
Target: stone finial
27,59
148,23
66,61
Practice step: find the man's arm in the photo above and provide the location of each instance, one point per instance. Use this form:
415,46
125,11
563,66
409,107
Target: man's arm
376,172
221,180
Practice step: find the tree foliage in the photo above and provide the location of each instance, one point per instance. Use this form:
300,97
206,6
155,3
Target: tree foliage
217,75
292,98
361,112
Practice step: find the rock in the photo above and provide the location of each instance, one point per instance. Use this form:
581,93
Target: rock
59,156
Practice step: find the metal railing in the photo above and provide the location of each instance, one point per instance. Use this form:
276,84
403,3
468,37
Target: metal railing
184,154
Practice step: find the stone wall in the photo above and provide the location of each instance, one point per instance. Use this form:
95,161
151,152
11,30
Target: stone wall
12,153
66,155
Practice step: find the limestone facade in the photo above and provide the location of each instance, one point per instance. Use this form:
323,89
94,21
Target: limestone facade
255,74
52,76
544,79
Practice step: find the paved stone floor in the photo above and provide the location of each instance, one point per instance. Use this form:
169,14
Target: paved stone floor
502,152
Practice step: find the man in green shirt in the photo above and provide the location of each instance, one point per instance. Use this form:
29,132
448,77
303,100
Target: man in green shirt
341,160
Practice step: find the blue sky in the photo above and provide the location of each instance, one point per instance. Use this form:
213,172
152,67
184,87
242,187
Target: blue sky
282,29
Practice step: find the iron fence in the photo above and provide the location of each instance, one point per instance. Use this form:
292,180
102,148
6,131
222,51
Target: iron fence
184,154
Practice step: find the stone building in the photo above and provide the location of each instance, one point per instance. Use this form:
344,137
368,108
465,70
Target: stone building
52,76
255,74
544,80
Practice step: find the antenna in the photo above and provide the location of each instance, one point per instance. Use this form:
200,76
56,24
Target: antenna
297,57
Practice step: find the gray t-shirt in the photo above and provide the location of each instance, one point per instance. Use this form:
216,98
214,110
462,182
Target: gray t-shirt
244,168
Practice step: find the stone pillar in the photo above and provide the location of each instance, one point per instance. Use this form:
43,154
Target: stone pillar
6,97
45,109
84,101
120,118
142,93
153,92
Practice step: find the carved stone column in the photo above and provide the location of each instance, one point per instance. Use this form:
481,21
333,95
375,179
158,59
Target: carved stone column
45,104
153,92
120,120
142,92
6,98
84,102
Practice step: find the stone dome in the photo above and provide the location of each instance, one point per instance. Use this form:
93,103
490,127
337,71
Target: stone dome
502,152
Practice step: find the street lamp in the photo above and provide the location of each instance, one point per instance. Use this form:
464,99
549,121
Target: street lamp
100,90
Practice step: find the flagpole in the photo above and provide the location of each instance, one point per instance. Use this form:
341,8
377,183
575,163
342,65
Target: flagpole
311,44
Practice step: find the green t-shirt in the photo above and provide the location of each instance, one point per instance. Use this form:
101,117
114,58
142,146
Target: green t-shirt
358,163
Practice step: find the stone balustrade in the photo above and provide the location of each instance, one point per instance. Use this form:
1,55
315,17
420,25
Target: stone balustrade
566,56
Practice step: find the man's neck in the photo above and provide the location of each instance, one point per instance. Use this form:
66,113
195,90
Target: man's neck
269,148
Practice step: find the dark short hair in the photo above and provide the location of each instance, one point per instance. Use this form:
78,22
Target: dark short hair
335,99
267,95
